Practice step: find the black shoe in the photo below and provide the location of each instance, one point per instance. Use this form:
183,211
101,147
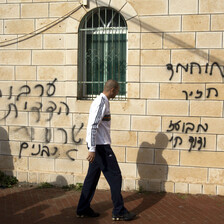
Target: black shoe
88,213
128,216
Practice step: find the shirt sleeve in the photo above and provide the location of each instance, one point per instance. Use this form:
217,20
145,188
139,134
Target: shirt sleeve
95,117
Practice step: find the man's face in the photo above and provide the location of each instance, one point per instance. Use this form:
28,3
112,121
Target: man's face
114,92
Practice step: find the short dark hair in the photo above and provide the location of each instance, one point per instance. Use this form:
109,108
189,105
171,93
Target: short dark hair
110,84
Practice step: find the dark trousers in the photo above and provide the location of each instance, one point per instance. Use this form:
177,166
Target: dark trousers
106,162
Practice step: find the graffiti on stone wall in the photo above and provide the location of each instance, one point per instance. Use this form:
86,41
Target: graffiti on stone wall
188,127
53,109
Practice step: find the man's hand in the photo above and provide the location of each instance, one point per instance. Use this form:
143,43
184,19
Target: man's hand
91,157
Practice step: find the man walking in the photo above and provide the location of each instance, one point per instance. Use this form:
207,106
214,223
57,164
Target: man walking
102,158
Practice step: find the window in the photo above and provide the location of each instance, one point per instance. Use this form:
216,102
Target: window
102,52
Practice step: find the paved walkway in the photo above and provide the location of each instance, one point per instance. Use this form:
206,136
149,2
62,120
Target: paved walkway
29,205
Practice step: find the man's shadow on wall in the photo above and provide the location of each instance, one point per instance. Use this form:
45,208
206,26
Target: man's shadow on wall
152,173
6,159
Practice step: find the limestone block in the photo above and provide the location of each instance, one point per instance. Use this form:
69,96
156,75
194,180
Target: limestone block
181,188
39,120
50,73
154,140
157,74
196,23
217,22
166,157
17,57
168,187
101,3
146,123
1,26
160,24
70,73
118,5
60,9
152,172
215,125
220,143
48,57
128,170
6,162
183,7
151,41
209,189
210,6
120,153
167,107
61,180
102,184
202,159
79,14
54,41
120,122
6,73
78,106
134,25
41,164
216,176
133,90
61,120
133,74
220,90
128,11
149,91
124,138
209,40
155,57
20,163
6,40
139,155
186,56
22,119
21,26
58,28
34,10
64,165
71,41
129,185
9,11
220,190
33,177
25,72
9,148
134,57
150,7
22,176
187,174
133,40
82,152
72,25
206,108
195,188
179,40
128,107
71,57
82,119
216,55
19,133
175,91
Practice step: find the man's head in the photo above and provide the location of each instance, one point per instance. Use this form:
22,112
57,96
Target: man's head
111,88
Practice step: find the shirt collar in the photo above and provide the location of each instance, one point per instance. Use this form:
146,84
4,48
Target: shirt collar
104,96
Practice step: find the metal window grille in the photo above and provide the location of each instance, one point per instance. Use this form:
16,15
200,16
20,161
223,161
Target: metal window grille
102,52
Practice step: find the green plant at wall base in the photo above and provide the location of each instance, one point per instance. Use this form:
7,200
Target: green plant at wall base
7,181
45,185
77,187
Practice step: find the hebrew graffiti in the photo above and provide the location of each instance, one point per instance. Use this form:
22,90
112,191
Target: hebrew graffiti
53,109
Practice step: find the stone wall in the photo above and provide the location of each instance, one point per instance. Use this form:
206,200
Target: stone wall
168,135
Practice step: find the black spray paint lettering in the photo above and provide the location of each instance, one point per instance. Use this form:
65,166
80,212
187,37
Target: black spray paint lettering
26,91
10,109
185,127
197,140
192,66
43,150
199,93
